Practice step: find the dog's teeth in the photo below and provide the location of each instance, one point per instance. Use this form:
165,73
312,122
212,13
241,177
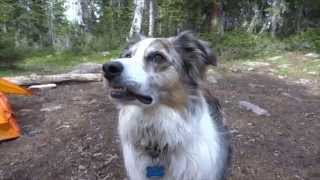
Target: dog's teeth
120,88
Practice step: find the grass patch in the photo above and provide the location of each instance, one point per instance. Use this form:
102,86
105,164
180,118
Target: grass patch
46,63
297,65
285,56
288,64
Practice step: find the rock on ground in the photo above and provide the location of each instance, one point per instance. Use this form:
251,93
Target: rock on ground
275,58
254,108
257,64
312,55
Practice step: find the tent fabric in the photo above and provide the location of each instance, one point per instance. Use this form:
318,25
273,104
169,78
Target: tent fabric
11,88
9,129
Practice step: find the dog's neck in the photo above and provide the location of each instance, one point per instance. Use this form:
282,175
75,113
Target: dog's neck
161,128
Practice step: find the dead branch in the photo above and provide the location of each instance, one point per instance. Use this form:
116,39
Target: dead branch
57,78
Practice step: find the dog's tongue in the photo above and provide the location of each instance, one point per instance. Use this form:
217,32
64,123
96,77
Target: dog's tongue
144,99
125,93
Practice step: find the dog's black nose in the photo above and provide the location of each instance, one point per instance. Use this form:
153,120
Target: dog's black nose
112,69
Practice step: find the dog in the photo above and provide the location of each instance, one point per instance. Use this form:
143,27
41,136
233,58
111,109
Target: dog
169,128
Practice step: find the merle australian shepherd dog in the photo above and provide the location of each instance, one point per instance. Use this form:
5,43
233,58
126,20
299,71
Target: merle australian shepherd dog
169,128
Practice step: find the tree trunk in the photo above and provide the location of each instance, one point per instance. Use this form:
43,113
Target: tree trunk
278,8
216,17
265,27
89,18
137,19
4,28
300,17
151,17
254,19
274,18
51,33
221,18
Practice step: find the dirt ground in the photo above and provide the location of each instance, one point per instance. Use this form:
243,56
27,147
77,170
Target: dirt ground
69,133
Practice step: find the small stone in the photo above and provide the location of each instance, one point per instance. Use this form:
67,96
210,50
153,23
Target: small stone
309,115
257,64
254,108
51,108
284,66
312,73
233,131
34,132
105,53
77,98
235,70
251,85
304,81
93,101
215,74
276,153
97,154
312,55
212,79
275,58
64,126
272,70
250,69
25,110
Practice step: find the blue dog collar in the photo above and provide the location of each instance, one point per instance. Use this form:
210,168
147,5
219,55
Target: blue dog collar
155,171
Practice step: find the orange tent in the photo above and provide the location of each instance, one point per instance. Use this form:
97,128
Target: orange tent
9,129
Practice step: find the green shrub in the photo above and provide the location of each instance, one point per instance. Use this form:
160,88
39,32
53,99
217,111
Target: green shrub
242,45
9,54
306,40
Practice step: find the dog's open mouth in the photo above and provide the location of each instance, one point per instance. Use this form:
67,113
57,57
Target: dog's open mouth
126,94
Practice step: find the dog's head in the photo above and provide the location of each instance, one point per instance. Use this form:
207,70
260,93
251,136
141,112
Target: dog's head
159,70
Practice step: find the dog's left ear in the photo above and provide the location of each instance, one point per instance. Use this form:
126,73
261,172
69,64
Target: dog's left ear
195,54
188,43
210,56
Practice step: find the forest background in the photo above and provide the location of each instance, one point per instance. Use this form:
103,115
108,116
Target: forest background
44,36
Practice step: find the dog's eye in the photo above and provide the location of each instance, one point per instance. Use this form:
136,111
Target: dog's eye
156,58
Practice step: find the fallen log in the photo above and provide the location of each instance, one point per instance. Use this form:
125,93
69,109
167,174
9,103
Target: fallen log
57,78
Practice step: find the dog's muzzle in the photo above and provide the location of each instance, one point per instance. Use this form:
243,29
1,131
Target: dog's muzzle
120,88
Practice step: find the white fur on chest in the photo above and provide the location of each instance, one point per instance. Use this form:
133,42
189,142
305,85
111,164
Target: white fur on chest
192,140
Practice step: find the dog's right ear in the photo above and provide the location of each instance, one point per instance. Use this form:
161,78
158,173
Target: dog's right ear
136,37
